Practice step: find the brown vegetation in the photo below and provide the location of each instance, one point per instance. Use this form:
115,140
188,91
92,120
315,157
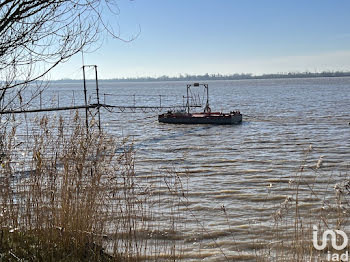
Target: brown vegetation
71,197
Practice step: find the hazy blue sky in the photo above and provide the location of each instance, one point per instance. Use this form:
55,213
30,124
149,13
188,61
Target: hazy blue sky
222,36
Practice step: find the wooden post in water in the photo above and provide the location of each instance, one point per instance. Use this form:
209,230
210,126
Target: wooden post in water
85,98
98,100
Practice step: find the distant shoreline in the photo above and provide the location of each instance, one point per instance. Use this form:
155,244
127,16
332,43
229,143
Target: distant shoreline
209,77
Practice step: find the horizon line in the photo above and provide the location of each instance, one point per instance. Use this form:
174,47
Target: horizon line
218,76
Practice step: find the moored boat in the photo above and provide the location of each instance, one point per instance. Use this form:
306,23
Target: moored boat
206,117
215,118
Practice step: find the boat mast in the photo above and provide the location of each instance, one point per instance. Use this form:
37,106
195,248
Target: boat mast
206,87
207,108
188,102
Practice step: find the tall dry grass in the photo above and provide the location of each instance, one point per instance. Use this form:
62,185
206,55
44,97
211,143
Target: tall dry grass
312,202
71,195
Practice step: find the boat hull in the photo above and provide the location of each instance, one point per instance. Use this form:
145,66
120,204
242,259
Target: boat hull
212,120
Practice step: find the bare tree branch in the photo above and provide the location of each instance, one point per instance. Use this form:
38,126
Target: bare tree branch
38,35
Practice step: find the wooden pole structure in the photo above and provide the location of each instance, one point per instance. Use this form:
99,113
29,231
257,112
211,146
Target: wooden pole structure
98,100
86,108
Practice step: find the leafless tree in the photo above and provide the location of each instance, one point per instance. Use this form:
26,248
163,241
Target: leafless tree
36,36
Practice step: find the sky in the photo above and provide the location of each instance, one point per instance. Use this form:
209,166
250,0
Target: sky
220,36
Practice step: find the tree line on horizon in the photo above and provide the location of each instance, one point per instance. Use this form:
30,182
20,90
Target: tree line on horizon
236,76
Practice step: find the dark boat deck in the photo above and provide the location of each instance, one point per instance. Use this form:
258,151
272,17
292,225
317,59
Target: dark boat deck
201,118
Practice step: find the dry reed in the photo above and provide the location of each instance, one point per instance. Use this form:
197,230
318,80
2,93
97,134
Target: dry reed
71,195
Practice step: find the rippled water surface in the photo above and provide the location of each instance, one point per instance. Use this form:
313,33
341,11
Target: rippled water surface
246,169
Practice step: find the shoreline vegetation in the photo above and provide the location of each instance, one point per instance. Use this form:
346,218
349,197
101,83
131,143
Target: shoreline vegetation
69,194
236,76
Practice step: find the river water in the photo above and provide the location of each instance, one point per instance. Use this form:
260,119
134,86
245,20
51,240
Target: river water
234,177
